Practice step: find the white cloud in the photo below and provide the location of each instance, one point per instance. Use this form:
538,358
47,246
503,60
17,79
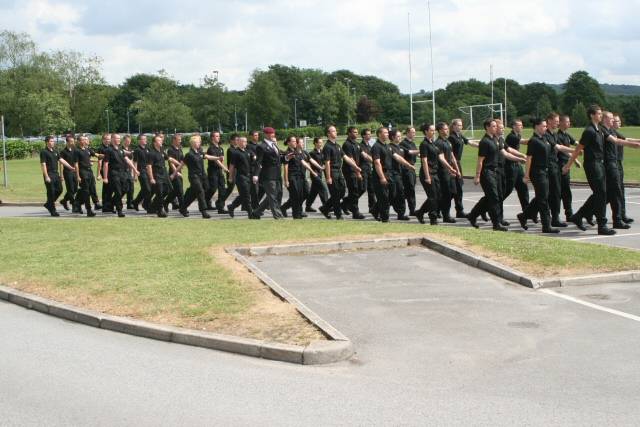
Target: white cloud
530,40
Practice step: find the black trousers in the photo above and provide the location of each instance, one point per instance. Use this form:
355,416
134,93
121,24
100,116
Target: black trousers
216,184
409,186
445,183
336,192
615,196
624,200
396,193
368,184
491,200
382,192
555,192
596,204
273,192
296,195
540,202
198,185
177,190
129,188
515,180
71,185
117,183
107,204
244,185
565,193
318,188
54,190
144,195
432,204
354,187
87,188
457,198
161,190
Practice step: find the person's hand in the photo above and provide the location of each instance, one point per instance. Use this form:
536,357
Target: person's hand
315,175
476,180
428,180
286,184
329,181
47,180
153,181
359,176
99,178
565,169
384,182
527,180
106,180
79,180
255,179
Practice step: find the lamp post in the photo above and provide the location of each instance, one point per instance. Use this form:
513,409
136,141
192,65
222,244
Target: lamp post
348,80
108,124
295,112
217,75
128,123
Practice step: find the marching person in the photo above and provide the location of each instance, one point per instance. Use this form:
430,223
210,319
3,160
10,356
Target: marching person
68,153
513,170
102,151
617,123
409,175
49,160
396,189
565,139
352,174
268,173
215,169
158,177
177,185
84,176
252,147
115,172
447,179
458,141
294,177
318,186
240,170
540,155
366,164
382,164
194,159
140,155
129,182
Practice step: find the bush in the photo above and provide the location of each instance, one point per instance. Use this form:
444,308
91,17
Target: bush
19,149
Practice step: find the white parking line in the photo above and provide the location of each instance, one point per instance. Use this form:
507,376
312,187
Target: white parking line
591,305
606,237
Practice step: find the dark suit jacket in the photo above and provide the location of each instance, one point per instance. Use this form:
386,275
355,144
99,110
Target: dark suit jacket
268,163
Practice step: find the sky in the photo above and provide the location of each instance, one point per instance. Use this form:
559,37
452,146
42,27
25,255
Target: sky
527,40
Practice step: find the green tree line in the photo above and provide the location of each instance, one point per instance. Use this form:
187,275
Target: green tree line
60,91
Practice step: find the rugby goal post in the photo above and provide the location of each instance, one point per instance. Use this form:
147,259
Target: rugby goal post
490,110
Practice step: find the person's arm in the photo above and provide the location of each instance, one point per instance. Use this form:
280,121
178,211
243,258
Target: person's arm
177,171
574,155
316,164
77,167
527,178
563,149
479,164
456,166
106,172
286,175
150,175
99,169
309,168
366,156
425,168
398,158
380,172
232,173
446,164
45,172
351,163
510,156
65,164
222,166
327,172
133,167
629,142
516,153
474,143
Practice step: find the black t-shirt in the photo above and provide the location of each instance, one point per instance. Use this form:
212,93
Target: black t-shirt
409,146
552,139
115,158
351,149
382,152
50,159
564,138
431,152
620,147
294,164
217,151
610,148
488,148
103,149
541,153
318,156
333,153
140,157
592,140
458,141
157,160
241,160
396,149
501,146
365,164
175,153
445,147
83,158
512,141
195,162
69,155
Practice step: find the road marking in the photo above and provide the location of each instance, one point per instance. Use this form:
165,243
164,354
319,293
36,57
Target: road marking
606,237
592,305
633,203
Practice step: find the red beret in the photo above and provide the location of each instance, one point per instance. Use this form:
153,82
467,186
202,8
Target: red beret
269,131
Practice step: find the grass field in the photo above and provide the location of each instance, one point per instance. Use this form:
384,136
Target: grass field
26,184
175,271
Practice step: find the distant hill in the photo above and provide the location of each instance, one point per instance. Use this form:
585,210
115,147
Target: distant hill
609,89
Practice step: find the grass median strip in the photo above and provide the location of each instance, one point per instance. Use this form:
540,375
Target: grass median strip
176,272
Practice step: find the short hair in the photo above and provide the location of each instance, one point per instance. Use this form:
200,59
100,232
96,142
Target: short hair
440,126
487,123
127,137
454,121
393,133
536,121
351,129
194,139
380,129
115,135
326,129
234,136
364,130
106,135
424,128
564,117
142,135
593,109
157,137
69,137
498,121
255,131
177,136
214,132
316,140
515,122
48,138
286,141
552,115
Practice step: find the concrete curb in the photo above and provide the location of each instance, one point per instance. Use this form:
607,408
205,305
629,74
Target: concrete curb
592,279
318,352
20,204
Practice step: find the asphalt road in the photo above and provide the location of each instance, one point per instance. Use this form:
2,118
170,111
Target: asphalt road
625,238
438,343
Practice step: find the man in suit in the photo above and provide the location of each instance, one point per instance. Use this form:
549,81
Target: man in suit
268,173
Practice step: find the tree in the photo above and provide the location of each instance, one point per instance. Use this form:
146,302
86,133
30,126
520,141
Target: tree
367,110
160,108
266,100
581,87
579,115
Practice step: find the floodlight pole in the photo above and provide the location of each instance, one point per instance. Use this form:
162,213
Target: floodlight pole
491,79
4,153
433,89
505,101
410,74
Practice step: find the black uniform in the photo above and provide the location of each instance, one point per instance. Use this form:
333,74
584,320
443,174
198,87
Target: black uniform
542,155
216,177
354,185
115,158
396,189
252,148
198,183
54,188
429,153
70,179
592,140
107,206
621,172
129,182
458,141
555,189
409,175
447,182
222,198
318,186
295,177
501,175
515,173
157,160
87,179
368,179
177,184
140,155
333,152
488,148
242,161
564,138
269,161
614,186
382,151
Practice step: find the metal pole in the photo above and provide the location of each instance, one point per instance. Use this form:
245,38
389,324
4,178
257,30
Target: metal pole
491,79
505,101
108,125
433,88
295,112
348,94
471,115
128,127
246,121
235,115
410,74
4,154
